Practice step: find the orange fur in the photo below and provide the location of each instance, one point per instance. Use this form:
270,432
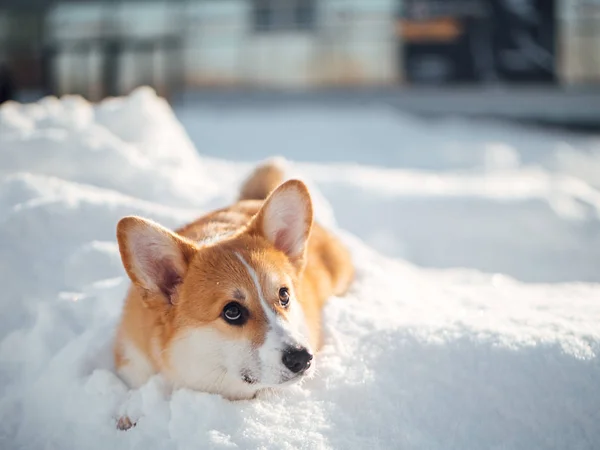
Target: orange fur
201,277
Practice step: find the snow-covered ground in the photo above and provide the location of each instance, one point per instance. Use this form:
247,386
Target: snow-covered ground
474,321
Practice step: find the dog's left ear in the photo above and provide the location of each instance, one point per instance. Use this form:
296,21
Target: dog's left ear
286,218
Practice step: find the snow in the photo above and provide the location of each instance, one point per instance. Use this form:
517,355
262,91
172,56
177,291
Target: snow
473,321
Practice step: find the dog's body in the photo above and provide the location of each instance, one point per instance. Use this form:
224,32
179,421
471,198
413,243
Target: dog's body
231,303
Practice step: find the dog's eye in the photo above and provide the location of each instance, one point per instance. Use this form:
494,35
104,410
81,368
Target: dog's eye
234,314
284,296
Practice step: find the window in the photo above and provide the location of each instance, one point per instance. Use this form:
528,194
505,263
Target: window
284,15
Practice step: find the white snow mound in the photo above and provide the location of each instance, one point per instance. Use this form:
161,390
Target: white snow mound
414,357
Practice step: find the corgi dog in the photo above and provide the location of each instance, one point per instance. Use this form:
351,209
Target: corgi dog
231,303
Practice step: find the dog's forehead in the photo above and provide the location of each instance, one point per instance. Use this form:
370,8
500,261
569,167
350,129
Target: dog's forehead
265,276
246,273
249,274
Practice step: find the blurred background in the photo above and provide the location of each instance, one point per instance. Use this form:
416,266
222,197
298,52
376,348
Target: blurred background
373,48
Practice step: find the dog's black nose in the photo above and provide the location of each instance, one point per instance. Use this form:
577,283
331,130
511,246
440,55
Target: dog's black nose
297,359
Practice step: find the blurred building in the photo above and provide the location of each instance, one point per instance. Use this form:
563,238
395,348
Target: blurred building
99,48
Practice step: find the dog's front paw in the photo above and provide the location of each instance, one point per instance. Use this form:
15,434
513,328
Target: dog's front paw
124,423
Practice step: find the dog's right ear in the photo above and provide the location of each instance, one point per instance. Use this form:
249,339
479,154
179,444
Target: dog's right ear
155,258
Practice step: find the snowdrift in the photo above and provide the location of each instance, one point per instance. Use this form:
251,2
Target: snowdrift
415,357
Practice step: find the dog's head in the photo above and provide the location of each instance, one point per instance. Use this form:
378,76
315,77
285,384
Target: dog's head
228,312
